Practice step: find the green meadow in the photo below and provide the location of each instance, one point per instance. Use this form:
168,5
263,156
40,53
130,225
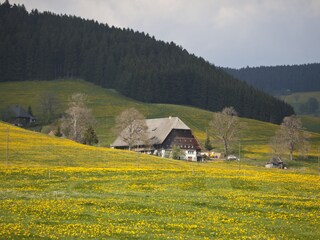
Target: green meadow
298,99
310,122
53,188
295,99
107,104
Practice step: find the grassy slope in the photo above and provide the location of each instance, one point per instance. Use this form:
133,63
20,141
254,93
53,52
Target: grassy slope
37,149
55,188
312,123
296,99
106,104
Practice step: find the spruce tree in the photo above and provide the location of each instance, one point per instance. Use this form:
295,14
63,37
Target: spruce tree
90,136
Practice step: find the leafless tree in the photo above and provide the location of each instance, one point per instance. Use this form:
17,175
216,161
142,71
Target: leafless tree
78,118
131,127
48,107
225,127
290,137
277,148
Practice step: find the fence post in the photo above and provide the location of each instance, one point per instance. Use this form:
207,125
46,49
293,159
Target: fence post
7,146
239,159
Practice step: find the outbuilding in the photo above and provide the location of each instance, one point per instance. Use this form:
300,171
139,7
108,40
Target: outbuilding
18,116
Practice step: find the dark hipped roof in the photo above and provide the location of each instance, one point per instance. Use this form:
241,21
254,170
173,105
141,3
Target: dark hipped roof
158,130
19,112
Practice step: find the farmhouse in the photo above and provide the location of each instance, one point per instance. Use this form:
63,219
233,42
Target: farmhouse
163,134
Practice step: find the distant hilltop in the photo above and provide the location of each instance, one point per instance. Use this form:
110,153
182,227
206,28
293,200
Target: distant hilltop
46,46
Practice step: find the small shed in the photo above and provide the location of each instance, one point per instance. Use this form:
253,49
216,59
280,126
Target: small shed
275,162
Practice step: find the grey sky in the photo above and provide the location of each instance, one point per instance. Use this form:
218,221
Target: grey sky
231,33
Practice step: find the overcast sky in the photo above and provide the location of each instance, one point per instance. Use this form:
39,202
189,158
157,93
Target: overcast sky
230,33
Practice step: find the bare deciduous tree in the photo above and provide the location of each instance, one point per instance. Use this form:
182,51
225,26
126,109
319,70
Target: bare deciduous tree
225,127
78,118
290,137
48,107
131,127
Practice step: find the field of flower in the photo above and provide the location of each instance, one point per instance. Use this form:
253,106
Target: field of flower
55,189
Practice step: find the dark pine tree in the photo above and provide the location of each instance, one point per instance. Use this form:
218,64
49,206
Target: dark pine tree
90,137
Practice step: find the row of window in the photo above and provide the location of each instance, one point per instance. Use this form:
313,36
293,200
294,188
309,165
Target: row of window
183,140
181,146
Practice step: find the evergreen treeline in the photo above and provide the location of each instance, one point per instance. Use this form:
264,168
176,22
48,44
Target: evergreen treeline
280,80
47,46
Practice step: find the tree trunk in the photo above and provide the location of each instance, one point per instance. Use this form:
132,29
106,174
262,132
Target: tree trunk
226,150
291,152
75,129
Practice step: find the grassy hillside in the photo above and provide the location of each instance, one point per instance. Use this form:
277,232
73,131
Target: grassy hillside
55,188
26,148
106,104
310,122
300,98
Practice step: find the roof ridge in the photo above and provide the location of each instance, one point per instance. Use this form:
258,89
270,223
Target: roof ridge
160,128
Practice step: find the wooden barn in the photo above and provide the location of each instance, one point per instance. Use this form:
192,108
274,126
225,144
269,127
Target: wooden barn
163,134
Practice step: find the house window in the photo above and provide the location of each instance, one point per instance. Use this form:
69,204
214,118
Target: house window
190,152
